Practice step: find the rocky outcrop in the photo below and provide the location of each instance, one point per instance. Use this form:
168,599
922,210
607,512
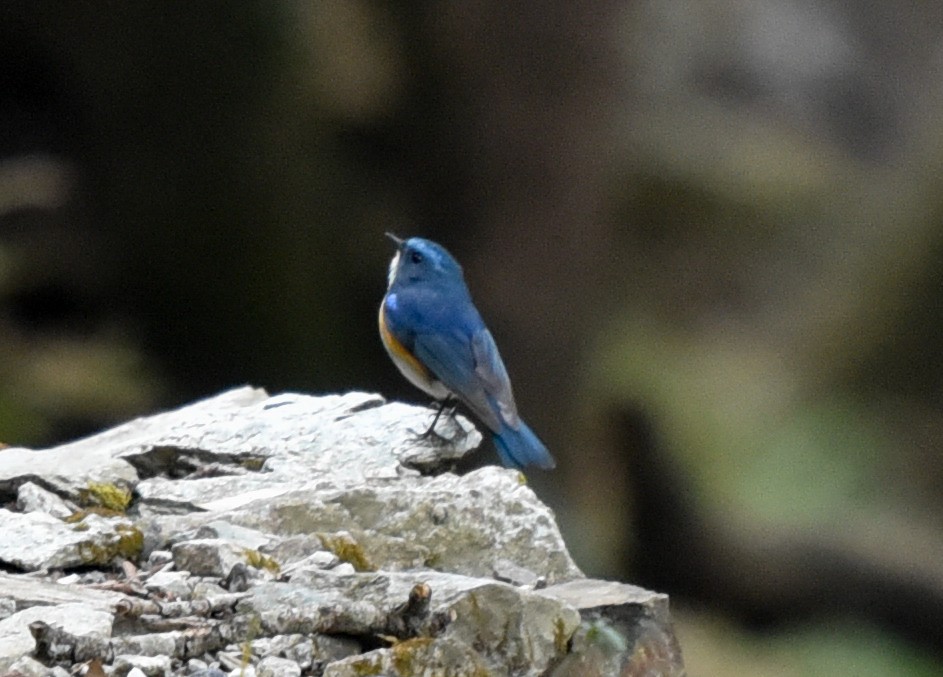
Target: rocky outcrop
294,535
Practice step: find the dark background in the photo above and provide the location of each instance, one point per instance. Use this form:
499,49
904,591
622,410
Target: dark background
705,235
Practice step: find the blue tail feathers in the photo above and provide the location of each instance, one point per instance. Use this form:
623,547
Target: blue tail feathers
521,448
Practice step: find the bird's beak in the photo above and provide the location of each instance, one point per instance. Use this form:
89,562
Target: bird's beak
397,240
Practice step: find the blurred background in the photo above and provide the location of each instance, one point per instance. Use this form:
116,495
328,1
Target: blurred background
707,237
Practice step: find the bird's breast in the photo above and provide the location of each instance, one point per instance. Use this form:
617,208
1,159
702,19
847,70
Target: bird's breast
409,366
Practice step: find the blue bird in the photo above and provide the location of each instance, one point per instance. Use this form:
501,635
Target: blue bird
434,334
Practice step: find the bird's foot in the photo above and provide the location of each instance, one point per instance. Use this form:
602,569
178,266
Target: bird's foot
431,434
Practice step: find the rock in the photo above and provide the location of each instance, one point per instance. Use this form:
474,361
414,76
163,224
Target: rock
29,667
505,626
195,665
28,591
207,556
416,656
625,630
247,539
272,666
149,644
491,517
35,540
31,497
293,549
149,666
158,558
308,652
509,572
171,584
86,627
295,535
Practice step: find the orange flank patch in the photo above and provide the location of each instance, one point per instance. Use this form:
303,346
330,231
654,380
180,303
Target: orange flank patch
398,350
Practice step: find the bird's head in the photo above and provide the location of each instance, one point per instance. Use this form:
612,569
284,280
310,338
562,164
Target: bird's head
421,260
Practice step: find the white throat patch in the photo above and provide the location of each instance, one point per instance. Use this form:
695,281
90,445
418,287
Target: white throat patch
391,275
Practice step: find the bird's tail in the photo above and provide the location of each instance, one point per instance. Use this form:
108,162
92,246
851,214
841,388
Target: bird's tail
519,448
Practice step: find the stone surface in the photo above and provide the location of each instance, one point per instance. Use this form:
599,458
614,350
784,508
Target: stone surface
35,540
89,625
31,497
625,630
150,666
207,556
7,607
28,667
29,591
171,584
272,666
288,535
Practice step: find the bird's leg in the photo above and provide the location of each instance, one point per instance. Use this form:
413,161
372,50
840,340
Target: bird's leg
444,404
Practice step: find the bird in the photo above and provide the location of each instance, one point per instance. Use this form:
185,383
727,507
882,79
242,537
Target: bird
435,335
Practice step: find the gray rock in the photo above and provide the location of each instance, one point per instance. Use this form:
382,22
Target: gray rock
70,468
205,589
149,644
195,665
159,558
28,591
7,607
509,572
417,656
273,666
491,517
89,626
307,651
281,645
207,556
248,539
333,437
69,580
31,497
333,528
326,649
293,551
29,667
506,627
171,584
625,630
150,666
35,540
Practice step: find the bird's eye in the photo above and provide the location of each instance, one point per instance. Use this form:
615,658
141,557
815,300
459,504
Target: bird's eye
415,257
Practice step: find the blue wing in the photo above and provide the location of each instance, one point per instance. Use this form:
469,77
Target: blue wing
452,342
452,358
